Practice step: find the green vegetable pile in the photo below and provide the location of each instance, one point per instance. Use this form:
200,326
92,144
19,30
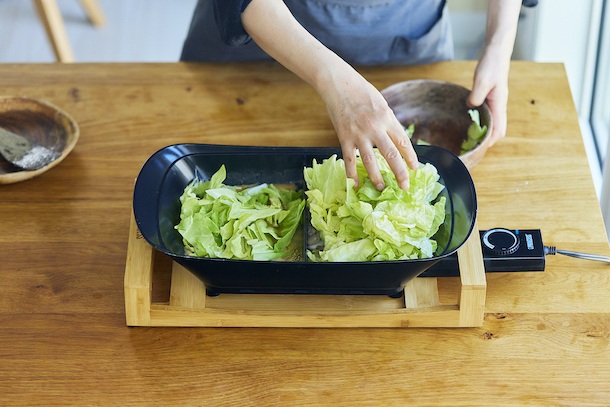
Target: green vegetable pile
221,221
364,224
476,133
354,224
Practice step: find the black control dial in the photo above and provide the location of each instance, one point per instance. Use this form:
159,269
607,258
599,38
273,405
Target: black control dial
501,242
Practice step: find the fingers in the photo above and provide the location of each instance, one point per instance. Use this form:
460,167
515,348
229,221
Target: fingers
477,95
367,155
389,150
498,113
403,143
497,100
491,83
349,158
394,147
497,105
363,120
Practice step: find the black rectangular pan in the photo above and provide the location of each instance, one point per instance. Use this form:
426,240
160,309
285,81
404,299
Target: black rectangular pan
166,173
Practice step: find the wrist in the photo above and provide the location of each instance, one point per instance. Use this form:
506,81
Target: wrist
501,29
332,73
498,54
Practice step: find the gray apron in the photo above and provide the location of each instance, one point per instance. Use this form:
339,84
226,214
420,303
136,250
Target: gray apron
362,32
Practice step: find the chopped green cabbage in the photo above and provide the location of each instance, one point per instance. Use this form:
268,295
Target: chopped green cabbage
222,221
364,224
476,133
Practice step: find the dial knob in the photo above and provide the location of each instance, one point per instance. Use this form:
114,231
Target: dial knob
500,241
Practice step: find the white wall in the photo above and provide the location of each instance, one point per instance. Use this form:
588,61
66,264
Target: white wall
564,31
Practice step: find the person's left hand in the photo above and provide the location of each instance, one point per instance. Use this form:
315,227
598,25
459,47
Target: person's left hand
491,83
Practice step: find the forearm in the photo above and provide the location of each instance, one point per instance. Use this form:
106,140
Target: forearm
491,75
502,21
358,112
272,26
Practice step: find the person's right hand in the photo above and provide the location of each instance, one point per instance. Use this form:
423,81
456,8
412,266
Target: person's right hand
359,113
363,120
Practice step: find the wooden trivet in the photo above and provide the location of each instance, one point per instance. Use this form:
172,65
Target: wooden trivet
188,305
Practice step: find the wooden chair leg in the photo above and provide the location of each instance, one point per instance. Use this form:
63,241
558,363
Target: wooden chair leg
94,11
56,30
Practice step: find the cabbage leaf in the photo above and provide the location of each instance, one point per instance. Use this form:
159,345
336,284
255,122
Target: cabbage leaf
364,224
222,221
476,132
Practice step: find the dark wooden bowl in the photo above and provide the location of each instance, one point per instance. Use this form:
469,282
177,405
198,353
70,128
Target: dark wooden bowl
439,113
40,122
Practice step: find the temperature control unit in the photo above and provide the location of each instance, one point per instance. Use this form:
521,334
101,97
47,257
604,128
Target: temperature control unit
503,250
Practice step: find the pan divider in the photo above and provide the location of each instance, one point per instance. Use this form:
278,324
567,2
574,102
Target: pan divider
188,305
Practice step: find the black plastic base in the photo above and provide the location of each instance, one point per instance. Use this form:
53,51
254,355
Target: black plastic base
164,176
528,257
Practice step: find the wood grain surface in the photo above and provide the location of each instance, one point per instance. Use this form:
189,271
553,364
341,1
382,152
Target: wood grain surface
63,243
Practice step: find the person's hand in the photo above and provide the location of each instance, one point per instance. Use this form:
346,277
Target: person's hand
491,83
363,120
359,113
491,75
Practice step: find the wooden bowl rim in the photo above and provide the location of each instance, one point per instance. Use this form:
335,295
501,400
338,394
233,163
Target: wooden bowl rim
18,176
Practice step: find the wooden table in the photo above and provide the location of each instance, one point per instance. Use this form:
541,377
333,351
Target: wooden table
63,243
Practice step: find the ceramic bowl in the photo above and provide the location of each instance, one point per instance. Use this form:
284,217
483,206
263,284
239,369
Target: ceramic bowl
39,122
439,113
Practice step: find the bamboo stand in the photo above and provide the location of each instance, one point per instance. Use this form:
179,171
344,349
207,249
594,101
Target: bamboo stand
189,306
